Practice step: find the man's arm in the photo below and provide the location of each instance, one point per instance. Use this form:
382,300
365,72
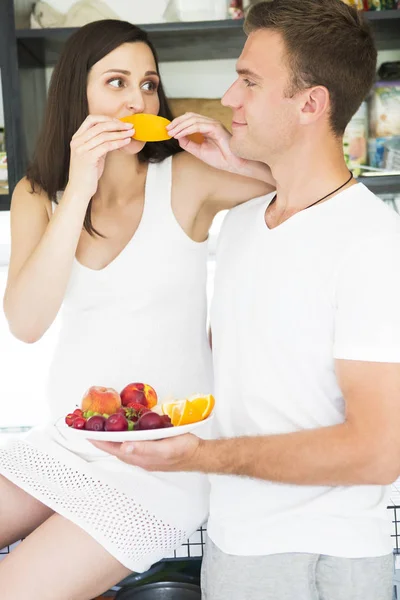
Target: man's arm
365,449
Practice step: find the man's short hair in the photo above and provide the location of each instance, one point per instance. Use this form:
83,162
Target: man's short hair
328,43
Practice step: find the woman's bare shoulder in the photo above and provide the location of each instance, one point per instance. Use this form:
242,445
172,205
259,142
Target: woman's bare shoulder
32,197
187,170
185,160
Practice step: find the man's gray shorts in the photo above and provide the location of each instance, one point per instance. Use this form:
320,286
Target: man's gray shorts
294,576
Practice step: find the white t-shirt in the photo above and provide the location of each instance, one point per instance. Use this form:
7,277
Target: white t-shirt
288,301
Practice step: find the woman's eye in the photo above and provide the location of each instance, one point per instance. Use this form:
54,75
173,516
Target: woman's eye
117,82
150,86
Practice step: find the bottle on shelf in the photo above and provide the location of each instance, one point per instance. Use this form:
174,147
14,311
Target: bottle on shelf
3,164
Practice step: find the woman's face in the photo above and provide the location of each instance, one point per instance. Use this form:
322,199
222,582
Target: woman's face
123,83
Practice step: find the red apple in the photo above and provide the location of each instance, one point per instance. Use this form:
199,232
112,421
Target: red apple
140,393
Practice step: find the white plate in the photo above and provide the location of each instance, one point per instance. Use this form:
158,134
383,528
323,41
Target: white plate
129,436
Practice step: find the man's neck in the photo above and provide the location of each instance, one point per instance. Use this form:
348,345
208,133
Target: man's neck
307,173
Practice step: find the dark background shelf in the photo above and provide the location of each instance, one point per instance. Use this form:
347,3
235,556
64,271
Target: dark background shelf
174,41
383,184
5,201
26,53
188,41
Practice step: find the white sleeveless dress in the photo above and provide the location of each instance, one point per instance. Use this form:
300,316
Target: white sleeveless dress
141,318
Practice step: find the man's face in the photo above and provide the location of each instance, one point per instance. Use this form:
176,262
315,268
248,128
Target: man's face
265,119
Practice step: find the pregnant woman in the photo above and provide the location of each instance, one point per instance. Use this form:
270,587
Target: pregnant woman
114,231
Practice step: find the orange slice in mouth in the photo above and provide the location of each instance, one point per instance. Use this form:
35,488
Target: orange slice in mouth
152,128
148,128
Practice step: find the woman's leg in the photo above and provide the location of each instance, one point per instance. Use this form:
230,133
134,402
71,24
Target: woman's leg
59,560
20,514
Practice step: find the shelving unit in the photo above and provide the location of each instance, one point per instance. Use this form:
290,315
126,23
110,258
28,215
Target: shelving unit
26,53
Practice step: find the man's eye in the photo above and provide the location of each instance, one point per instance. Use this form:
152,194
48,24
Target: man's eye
248,83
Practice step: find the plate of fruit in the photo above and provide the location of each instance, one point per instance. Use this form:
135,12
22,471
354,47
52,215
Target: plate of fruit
134,414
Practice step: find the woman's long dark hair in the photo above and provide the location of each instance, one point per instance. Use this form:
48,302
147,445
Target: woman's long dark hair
67,105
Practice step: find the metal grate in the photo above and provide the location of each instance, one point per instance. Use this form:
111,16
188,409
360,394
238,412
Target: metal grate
194,546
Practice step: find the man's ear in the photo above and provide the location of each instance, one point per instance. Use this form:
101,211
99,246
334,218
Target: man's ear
316,104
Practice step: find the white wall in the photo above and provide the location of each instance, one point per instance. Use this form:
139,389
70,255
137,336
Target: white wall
211,78
193,79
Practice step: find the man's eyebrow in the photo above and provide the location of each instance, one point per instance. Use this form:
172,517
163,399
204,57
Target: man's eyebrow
248,73
128,72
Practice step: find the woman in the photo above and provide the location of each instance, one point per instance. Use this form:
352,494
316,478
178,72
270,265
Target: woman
132,284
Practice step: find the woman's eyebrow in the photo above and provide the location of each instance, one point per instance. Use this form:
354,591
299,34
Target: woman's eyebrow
128,72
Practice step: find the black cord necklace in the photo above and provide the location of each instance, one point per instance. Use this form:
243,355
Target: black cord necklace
327,195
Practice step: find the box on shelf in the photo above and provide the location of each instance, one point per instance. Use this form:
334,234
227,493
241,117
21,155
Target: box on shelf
201,10
3,173
373,4
382,4
385,109
355,140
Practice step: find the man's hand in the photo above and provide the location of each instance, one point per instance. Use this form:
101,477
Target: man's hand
180,453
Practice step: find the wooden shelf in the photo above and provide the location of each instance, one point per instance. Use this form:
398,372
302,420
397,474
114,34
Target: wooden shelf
185,40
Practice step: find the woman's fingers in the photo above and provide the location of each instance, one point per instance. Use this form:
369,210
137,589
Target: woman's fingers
211,130
99,128
106,147
187,119
190,146
101,138
197,128
182,118
92,120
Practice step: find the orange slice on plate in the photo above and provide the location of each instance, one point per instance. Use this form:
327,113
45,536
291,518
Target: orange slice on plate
152,128
204,404
167,408
185,414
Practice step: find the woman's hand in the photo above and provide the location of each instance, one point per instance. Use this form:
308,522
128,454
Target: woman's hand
215,149
97,136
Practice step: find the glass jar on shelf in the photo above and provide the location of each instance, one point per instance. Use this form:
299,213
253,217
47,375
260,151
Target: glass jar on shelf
3,164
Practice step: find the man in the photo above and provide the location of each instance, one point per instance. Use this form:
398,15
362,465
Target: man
306,332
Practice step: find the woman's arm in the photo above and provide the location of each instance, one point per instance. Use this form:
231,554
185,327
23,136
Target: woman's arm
43,250
231,179
41,259
210,190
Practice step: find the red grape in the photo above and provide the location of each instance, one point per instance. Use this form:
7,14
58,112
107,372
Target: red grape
69,419
149,420
167,421
116,422
79,423
95,423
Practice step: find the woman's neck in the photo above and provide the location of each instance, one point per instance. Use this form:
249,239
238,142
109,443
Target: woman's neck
122,180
